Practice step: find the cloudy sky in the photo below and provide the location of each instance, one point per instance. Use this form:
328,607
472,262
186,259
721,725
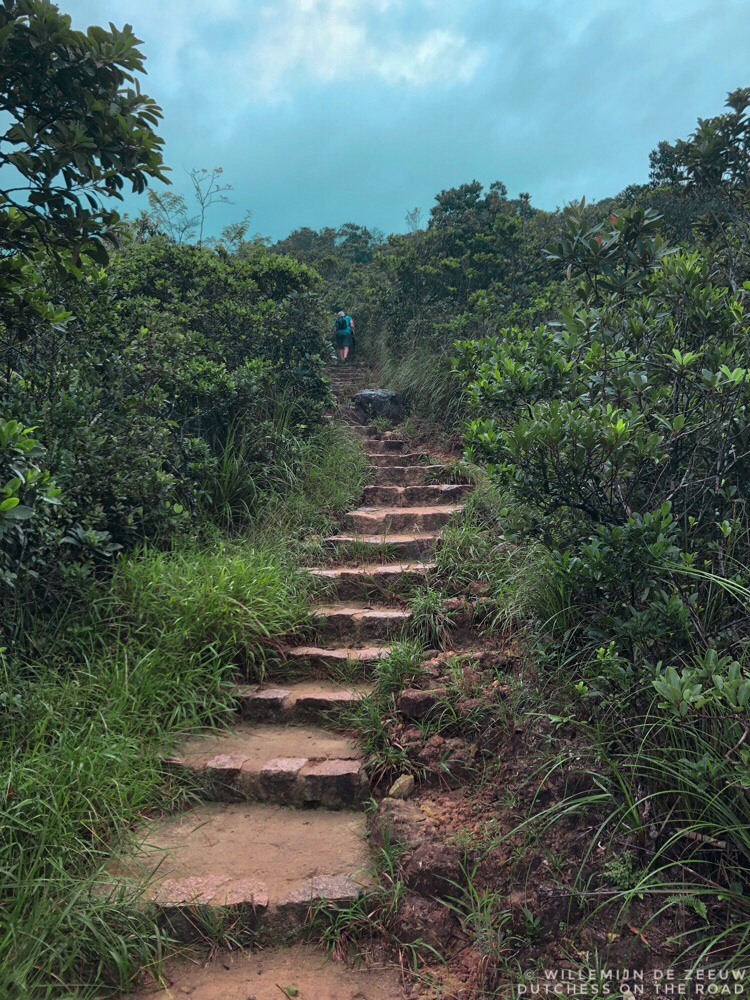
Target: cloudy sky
328,111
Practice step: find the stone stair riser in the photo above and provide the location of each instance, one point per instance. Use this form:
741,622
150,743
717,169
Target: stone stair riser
383,588
390,592
297,782
398,458
384,446
414,496
245,912
390,549
396,522
276,704
325,664
406,475
362,628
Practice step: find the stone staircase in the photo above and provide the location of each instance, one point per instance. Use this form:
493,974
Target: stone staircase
279,823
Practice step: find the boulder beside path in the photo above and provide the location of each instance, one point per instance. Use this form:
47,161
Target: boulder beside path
380,403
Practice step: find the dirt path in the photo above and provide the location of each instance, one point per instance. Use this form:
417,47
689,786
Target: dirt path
281,823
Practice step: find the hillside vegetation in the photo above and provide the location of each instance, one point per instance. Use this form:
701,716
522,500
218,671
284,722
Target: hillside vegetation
165,468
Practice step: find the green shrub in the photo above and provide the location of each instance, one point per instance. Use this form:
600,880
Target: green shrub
627,459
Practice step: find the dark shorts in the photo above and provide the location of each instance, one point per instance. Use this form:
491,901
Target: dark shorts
343,339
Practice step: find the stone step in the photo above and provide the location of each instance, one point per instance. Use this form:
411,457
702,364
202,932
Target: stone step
398,458
300,766
357,624
374,579
245,866
414,496
382,520
391,545
406,475
250,974
307,701
384,446
351,659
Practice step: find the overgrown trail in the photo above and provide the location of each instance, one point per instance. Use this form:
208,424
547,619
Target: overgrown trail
280,825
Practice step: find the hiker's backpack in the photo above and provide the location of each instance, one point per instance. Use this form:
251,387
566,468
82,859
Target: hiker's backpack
342,324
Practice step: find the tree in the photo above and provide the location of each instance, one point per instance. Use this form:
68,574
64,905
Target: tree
235,233
208,191
77,128
712,168
413,220
717,154
168,213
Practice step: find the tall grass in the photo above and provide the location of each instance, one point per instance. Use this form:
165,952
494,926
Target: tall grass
671,787
423,377
80,743
234,597
131,665
250,472
329,482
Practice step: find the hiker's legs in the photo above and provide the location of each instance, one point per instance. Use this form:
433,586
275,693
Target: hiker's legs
344,353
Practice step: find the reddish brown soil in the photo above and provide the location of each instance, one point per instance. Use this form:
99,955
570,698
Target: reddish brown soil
468,821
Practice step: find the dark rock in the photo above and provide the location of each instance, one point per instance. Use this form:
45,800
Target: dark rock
416,704
380,403
424,919
432,752
433,870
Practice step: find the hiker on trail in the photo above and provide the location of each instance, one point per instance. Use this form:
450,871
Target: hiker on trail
343,328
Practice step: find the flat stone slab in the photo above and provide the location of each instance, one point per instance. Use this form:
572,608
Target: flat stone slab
373,570
379,520
307,700
336,889
373,578
243,973
288,765
211,890
399,458
260,861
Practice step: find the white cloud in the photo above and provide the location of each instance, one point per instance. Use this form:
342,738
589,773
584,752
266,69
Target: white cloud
339,40
440,55
269,49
